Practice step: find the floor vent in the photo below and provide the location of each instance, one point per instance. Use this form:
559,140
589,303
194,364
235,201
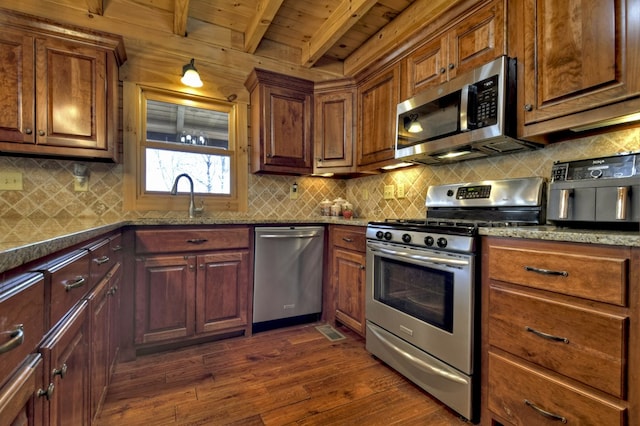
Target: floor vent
330,332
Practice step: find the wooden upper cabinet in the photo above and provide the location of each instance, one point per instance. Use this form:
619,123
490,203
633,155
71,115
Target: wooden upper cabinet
281,123
475,40
579,63
16,86
334,139
59,89
378,100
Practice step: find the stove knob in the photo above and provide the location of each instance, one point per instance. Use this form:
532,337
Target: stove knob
442,242
387,236
406,238
428,240
379,235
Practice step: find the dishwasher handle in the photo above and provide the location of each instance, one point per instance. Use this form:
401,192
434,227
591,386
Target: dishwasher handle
312,235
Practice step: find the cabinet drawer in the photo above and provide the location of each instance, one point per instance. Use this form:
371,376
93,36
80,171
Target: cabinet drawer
189,240
593,353
21,320
590,276
518,392
349,237
67,283
102,260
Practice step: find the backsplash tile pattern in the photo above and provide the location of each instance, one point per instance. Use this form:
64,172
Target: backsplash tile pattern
48,185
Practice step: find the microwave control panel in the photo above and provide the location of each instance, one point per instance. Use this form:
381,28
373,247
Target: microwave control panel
486,103
619,166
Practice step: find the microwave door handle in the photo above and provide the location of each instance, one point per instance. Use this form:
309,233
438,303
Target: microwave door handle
464,108
467,106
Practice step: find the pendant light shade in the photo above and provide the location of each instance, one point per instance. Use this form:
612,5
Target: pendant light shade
190,76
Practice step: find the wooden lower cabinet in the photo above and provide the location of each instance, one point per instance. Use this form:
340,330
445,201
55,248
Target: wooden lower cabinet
20,403
188,295
66,366
558,338
348,276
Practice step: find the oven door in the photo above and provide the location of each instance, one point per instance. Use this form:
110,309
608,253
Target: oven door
424,297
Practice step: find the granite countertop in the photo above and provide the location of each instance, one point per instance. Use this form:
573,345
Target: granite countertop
553,233
25,240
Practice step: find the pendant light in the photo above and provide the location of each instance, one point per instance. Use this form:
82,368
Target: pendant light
190,76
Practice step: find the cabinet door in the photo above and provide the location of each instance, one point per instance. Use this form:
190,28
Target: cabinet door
67,367
578,55
71,94
222,291
114,317
165,292
17,119
334,135
99,342
20,403
426,67
377,105
349,287
288,127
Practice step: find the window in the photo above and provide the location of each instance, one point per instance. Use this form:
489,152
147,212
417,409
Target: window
181,133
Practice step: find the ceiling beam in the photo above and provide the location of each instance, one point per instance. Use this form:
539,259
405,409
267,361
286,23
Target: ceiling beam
265,12
180,15
339,22
95,7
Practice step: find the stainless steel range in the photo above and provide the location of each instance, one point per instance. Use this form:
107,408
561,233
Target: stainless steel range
421,296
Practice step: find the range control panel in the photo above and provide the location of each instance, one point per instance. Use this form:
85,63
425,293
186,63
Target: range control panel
473,192
618,166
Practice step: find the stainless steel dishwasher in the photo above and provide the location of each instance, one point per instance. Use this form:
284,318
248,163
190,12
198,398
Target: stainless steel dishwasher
287,285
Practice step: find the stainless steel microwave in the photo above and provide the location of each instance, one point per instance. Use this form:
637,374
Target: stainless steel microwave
470,116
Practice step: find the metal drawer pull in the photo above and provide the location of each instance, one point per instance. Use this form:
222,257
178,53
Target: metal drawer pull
347,240
197,240
60,372
17,337
47,393
546,336
545,413
117,248
546,271
101,260
79,282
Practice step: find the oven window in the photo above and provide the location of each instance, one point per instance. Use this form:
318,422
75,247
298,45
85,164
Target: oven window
424,293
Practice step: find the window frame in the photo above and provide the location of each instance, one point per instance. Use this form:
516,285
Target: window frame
136,198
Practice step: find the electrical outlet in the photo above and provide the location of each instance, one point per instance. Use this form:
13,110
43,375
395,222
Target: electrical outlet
388,192
11,181
293,192
400,190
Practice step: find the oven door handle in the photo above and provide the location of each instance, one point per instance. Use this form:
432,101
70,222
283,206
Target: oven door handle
431,259
418,362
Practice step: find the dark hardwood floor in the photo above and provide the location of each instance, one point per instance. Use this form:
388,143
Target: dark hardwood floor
290,376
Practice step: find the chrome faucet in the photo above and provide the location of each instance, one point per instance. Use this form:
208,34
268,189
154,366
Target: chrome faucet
192,206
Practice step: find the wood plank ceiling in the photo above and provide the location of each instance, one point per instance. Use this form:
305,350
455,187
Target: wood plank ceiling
306,33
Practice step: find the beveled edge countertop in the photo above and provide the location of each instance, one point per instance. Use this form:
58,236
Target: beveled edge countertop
26,240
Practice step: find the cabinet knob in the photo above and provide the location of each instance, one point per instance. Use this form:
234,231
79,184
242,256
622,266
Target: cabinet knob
41,132
528,107
28,131
60,372
269,155
362,267
48,392
443,70
451,66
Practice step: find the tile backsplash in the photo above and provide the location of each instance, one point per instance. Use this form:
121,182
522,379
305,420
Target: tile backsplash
48,185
